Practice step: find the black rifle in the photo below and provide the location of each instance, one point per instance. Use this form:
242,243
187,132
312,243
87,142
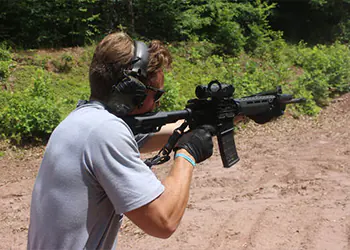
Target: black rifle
216,106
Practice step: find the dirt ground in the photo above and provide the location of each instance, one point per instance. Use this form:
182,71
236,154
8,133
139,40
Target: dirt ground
290,190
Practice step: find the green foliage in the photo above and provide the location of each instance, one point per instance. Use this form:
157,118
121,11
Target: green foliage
65,63
171,100
326,70
34,108
309,107
232,25
313,21
32,23
5,54
155,18
5,61
31,114
317,73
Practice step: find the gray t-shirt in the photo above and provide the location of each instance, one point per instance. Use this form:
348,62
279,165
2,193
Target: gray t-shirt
90,175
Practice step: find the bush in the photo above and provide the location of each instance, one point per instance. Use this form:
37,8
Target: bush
64,64
31,114
5,61
316,73
326,70
233,26
310,107
172,99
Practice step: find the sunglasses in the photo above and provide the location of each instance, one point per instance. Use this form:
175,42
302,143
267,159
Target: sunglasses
158,92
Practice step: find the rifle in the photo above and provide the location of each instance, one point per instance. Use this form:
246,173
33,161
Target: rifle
215,106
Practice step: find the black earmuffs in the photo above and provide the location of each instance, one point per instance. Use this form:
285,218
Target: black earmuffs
132,83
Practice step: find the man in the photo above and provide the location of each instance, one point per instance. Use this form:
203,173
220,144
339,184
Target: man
91,173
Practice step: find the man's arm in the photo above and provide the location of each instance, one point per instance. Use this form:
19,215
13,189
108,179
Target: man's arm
161,217
159,139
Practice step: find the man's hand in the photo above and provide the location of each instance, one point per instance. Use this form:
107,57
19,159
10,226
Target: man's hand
198,142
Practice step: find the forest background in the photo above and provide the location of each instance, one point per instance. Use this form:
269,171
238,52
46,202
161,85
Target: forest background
46,48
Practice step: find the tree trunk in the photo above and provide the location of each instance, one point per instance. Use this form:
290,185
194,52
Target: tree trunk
132,16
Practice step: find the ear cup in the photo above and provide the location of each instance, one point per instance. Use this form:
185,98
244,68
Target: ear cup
132,86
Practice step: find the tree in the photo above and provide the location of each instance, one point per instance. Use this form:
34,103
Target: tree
54,23
314,21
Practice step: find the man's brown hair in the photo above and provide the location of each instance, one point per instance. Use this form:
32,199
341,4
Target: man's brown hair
114,54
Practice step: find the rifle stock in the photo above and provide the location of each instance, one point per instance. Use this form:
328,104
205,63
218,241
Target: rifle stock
153,121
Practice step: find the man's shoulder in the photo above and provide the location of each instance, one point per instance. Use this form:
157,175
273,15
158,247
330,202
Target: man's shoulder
93,114
90,119
99,121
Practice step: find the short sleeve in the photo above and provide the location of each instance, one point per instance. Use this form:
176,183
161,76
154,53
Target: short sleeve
112,155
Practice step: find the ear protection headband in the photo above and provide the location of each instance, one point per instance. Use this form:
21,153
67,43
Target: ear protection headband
132,82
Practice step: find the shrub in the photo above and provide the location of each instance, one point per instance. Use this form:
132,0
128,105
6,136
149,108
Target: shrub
309,107
317,73
31,114
172,100
64,64
326,70
5,61
233,26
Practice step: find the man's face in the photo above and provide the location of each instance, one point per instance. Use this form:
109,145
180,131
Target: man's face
149,104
